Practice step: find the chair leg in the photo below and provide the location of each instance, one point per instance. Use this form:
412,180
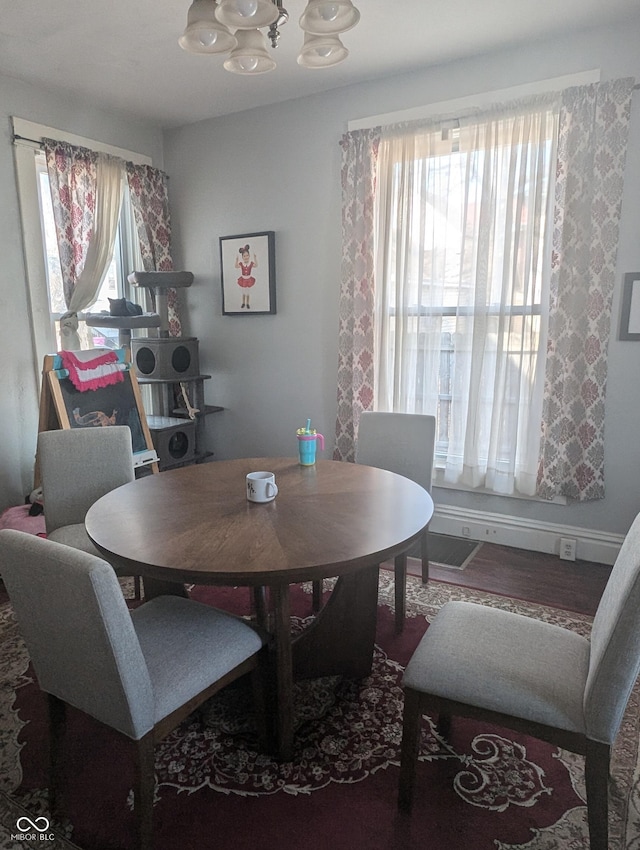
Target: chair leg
143,791
443,726
400,588
596,768
57,718
316,597
137,588
409,748
424,553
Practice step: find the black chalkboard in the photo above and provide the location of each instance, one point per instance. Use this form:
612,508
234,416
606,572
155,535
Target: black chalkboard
64,406
115,404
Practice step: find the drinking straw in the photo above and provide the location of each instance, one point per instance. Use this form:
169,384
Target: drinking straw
308,426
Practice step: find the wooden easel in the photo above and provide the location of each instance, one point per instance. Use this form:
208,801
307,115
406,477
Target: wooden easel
61,406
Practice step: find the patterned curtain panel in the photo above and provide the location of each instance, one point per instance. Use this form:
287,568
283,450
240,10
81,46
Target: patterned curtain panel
592,148
355,336
72,178
86,193
150,200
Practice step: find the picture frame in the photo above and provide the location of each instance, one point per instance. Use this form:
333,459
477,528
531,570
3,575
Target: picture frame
630,312
248,278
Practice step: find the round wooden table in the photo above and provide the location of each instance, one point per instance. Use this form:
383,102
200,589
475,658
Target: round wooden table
195,525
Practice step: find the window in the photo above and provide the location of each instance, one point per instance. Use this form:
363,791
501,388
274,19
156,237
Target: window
462,290
40,250
115,284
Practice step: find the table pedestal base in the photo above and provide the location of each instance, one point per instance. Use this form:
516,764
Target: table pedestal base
338,643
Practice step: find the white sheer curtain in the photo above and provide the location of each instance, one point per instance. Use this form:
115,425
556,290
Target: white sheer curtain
461,290
109,186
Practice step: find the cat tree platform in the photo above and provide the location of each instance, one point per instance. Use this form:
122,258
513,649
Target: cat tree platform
124,324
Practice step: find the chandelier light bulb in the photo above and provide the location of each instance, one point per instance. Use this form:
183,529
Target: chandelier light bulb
329,17
250,56
207,38
321,51
203,33
247,14
247,8
328,12
248,63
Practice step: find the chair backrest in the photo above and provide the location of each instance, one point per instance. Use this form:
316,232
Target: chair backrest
78,466
615,643
78,630
399,442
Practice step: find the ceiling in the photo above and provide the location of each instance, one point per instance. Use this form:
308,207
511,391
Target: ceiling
123,54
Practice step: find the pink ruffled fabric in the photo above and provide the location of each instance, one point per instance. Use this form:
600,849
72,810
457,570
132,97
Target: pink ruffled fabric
89,371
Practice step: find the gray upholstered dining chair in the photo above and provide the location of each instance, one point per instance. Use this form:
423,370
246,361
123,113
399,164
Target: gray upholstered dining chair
139,672
403,443
77,467
534,677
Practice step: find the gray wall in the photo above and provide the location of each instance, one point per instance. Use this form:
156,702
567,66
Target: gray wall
278,168
18,383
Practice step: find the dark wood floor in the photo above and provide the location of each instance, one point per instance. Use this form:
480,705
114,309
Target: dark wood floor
533,576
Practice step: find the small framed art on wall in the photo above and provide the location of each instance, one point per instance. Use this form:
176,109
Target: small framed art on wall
248,274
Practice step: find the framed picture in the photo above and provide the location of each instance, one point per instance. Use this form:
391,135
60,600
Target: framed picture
248,274
630,316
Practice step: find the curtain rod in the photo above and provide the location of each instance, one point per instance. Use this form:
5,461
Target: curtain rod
17,138
40,144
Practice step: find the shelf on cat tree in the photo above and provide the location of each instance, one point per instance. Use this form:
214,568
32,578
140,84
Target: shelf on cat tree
161,282
125,324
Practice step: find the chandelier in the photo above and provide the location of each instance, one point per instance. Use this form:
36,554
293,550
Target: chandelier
235,27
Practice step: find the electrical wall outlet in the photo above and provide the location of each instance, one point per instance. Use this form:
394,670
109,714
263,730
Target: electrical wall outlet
567,549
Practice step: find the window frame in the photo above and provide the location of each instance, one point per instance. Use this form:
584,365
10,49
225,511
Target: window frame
27,140
126,255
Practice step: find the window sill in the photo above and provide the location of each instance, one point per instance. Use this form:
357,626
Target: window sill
438,481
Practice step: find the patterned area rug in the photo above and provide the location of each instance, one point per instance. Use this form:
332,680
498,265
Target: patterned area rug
484,788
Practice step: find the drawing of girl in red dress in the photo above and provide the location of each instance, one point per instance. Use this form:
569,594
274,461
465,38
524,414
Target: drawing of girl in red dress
246,279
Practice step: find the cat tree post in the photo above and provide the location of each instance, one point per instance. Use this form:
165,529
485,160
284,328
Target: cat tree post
160,282
170,366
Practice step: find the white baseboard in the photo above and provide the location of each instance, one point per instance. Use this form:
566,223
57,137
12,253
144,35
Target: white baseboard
591,545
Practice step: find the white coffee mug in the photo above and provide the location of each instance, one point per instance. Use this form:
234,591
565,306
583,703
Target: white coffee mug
261,487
